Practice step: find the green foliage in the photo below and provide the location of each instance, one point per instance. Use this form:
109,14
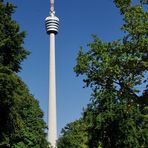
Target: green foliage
123,5
73,136
21,119
21,123
11,39
116,71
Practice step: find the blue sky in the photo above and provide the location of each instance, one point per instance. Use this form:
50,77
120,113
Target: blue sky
78,20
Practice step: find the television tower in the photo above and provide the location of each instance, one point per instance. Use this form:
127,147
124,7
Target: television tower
52,25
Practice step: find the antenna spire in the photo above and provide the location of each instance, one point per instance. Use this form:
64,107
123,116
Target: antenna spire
52,7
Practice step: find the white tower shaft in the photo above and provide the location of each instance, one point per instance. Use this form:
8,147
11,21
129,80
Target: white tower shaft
52,25
52,123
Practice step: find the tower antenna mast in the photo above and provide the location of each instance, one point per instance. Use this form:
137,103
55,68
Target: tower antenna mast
52,7
52,25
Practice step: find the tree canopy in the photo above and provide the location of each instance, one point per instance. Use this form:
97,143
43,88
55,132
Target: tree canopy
117,74
12,52
21,123
21,119
73,135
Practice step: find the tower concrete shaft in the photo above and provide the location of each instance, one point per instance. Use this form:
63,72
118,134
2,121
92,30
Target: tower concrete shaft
52,121
52,24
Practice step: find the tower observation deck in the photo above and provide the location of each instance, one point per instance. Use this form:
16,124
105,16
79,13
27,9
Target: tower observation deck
52,24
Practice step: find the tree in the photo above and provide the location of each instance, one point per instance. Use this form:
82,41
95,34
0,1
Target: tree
115,71
21,123
21,119
73,135
11,39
